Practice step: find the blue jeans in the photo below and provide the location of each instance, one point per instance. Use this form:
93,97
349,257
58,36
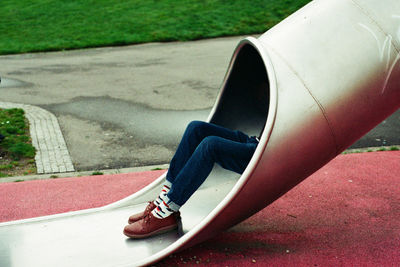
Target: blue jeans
202,145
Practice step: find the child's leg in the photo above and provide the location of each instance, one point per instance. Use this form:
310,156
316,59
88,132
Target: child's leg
197,140
195,132
229,154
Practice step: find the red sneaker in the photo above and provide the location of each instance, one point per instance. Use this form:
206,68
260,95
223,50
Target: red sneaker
150,225
139,216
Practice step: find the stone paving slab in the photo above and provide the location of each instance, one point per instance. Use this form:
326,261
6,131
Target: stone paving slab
52,154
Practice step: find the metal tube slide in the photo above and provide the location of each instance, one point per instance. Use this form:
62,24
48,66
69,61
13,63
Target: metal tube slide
313,84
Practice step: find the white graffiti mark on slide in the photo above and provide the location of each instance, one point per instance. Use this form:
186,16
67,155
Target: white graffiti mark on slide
385,49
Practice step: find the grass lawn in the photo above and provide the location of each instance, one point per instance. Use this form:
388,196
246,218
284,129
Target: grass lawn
45,25
16,151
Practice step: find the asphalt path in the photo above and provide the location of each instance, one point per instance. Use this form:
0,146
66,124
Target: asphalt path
122,107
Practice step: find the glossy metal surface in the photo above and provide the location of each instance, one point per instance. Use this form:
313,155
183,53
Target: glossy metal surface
330,73
94,237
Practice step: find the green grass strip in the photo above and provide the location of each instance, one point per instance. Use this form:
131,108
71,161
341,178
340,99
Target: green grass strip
46,25
16,142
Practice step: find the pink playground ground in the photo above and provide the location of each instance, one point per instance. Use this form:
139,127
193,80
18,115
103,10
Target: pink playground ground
346,214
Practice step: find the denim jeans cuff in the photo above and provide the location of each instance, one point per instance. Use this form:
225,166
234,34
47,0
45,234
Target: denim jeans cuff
172,205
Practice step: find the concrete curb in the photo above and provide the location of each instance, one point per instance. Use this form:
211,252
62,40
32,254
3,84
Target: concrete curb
52,154
84,173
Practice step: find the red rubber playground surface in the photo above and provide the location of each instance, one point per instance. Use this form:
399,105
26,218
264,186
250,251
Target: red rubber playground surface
346,214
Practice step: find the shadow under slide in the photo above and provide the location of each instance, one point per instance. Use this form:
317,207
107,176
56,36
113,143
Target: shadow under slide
312,85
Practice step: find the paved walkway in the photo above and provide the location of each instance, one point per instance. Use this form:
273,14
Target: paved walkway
51,151
112,110
346,214
122,107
